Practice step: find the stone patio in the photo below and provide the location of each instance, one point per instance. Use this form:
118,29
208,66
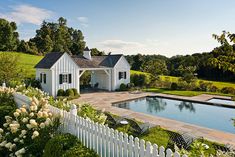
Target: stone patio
104,101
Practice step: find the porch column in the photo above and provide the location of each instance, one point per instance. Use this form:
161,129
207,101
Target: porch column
108,72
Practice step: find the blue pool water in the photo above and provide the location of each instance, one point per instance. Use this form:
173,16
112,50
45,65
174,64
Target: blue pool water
209,116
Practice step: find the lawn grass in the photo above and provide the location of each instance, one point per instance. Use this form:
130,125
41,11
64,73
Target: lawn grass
182,92
159,136
27,63
218,84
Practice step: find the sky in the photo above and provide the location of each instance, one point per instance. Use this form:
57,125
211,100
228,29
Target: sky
166,27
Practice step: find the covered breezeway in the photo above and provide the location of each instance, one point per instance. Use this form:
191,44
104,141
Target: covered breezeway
101,78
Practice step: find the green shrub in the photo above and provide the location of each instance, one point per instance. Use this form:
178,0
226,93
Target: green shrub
87,111
214,89
58,145
60,92
122,87
139,80
228,90
174,86
7,106
69,92
75,91
66,145
205,86
33,83
80,151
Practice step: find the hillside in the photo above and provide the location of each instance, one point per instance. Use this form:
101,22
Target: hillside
27,62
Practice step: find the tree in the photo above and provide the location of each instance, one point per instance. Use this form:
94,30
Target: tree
224,56
155,67
96,52
9,68
187,73
59,37
137,62
8,36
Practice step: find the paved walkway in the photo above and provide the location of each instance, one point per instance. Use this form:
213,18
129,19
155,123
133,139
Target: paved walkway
104,101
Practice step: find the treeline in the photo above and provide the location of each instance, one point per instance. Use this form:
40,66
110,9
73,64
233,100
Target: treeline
51,37
219,64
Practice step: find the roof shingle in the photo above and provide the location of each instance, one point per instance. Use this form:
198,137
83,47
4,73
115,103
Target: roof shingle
107,61
49,60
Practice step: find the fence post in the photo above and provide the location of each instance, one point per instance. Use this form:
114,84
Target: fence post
73,109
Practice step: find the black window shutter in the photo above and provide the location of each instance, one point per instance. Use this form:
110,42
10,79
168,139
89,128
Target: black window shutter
41,77
45,78
60,78
120,75
70,78
124,75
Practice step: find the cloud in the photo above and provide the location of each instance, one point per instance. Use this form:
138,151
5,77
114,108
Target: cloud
120,44
83,21
147,46
27,14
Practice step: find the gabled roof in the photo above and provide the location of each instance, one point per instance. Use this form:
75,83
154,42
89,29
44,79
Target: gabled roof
49,60
107,61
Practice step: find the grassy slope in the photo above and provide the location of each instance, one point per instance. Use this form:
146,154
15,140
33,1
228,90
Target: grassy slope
27,63
185,93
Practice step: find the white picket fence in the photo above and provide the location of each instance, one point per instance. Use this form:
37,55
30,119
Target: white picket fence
104,140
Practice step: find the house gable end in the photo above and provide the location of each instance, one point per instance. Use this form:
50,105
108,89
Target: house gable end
70,60
124,60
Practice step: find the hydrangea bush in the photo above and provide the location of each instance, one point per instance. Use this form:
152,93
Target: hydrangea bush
28,130
32,92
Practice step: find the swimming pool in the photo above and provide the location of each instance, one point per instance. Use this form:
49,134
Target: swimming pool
214,117
222,101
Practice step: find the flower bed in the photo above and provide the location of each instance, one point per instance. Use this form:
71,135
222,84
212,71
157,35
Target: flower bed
27,130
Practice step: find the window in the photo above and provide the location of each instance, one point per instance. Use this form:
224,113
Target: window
43,78
122,75
65,78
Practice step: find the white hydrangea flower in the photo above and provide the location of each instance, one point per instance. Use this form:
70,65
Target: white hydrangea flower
35,134
16,139
23,132
3,144
29,126
25,120
5,125
16,114
33,122
1,130
31,114
8,145
42,125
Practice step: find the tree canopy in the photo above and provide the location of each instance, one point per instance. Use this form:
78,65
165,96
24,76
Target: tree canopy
58,37
8,35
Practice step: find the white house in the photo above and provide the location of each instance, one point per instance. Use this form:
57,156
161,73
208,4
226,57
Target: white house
62,71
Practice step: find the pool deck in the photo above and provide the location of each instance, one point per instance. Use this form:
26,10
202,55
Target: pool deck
104,101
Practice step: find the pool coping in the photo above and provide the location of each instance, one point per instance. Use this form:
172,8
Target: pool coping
182,99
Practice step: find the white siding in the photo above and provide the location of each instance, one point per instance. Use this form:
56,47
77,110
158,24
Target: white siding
47,87
121,66
65,65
